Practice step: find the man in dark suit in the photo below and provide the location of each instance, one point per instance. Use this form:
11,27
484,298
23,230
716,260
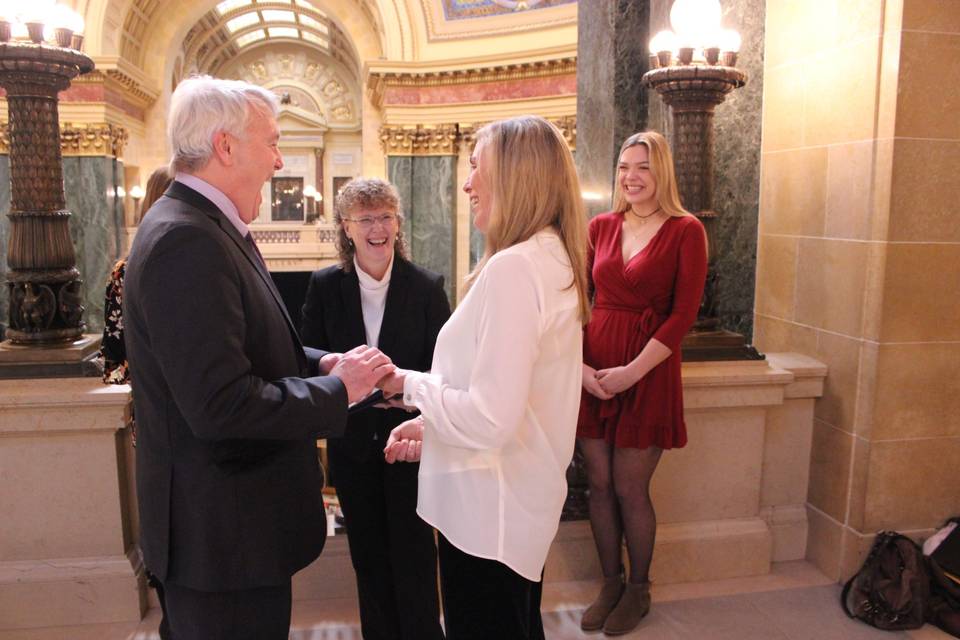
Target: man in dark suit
228,401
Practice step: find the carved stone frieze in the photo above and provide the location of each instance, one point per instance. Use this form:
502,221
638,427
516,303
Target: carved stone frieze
311,84
81,139
420,140
449,139
379,81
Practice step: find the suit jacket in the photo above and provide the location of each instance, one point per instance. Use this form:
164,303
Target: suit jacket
228,479
415,309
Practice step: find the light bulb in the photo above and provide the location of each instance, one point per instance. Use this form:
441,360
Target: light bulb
8,10
309,191
38,11
665,40
136,192
695,20
729,40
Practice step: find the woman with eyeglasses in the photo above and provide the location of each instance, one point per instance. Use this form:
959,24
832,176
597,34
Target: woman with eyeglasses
376,296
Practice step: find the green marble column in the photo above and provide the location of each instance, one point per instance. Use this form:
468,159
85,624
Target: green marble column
427,186
96,226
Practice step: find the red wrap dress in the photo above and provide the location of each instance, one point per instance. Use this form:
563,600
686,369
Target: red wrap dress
656,294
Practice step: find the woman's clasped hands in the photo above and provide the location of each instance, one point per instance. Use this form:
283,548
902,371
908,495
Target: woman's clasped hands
405,443
606,383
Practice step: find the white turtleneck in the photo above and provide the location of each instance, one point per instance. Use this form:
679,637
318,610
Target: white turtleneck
373,300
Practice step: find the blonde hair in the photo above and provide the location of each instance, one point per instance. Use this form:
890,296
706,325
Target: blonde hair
661,166
534,185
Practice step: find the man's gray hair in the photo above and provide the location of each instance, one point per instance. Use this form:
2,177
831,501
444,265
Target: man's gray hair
201,106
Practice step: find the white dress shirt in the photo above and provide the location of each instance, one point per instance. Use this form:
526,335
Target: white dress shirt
373,300
500,408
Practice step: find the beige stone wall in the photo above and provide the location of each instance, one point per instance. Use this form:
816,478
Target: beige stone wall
859,255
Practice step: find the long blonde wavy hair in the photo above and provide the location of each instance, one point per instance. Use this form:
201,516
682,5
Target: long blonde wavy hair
661,166
534,185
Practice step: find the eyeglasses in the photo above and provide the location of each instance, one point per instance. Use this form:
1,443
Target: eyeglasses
368,222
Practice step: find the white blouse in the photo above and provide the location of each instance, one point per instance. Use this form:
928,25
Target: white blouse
373,300
500,408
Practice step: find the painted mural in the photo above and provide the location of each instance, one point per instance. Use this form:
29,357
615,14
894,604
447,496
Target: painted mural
468,9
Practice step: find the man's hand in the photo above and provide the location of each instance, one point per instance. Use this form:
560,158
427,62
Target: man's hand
328,362
360,369
405,442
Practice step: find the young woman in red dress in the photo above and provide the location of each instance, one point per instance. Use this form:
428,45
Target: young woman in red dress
648,263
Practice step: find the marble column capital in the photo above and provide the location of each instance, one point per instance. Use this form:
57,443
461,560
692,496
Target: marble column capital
420,140
451,139
81,139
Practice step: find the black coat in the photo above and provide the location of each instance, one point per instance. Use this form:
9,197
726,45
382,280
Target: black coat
228,480
415,310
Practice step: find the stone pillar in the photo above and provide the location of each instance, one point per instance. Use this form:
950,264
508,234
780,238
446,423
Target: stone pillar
858,259
91,174
68,546
422,163
612,57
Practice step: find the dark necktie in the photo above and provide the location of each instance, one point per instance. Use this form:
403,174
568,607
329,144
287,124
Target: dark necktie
256,250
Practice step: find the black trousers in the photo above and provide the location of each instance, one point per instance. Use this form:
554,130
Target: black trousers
251,614
392,549
485,599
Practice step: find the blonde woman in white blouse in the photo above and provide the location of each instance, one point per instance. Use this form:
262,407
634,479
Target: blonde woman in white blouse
499,407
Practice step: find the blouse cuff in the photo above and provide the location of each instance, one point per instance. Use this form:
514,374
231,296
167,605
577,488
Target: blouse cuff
414,383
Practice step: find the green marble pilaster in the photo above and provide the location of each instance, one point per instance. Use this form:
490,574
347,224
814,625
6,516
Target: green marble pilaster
427,186
96,226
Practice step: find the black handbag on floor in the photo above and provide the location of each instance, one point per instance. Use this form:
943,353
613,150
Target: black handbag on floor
892,589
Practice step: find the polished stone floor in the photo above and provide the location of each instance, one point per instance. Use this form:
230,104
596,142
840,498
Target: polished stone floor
793,602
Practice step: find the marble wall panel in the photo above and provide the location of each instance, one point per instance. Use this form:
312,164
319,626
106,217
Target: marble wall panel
427,187
96,226
400,173
4,238
612,57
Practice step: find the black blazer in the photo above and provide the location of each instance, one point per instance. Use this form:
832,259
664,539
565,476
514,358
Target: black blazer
228,480
415,309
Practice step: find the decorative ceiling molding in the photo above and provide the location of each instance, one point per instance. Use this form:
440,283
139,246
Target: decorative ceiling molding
448,139
379,81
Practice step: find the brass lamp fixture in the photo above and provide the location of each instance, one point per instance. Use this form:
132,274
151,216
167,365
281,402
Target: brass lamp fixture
693,69
39,56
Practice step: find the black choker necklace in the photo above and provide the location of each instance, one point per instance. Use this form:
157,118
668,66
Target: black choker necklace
652,213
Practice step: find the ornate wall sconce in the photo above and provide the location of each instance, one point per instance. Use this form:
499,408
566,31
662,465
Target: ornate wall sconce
692,68
36,63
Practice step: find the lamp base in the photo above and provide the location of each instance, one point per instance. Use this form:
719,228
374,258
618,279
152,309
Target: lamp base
76,359
713,346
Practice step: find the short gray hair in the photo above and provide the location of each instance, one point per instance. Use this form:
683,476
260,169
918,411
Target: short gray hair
201,106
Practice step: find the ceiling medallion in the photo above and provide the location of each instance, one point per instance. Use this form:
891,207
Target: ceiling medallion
517,5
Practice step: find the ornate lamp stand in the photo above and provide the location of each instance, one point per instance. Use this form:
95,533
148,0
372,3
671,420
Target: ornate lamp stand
692,88
43,281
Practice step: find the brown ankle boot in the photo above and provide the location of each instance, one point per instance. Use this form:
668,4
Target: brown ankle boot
596,614
633,606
